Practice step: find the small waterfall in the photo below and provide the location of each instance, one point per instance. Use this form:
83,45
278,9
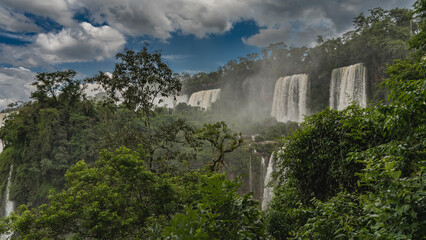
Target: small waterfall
348,84
250,176
204,99
262,174
2,117
268,191
9,206
290,98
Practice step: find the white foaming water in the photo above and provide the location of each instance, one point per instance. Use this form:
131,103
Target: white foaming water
348,84
250,176
268,192
181,99
9,206
204,99
170,102
290,98
2,117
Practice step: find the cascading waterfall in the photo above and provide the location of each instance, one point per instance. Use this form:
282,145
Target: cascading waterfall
2,117
290,98
9,206
262,174
204,99
250,177
348,84
268,190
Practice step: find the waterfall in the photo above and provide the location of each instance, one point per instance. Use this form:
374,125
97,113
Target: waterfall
290,98
166,102
170,102
9,206
250,176
204,99
268,191
181,99
2,117
348,84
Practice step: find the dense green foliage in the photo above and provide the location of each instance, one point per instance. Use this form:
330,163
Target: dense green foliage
359,173
43,139
118,198
133,171
125,193
219,214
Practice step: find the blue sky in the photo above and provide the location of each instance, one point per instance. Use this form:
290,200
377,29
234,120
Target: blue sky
193,35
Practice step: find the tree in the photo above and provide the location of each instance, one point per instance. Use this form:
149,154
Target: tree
57,87
220,214
117,198
218,134
138,79
418,41
111,200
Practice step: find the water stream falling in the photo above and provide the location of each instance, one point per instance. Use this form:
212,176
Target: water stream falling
268,190
204,99
250,176
9,206
170,102
348,84
290,98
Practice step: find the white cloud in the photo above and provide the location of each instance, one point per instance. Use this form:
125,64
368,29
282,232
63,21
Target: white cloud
15,85
80,44
60,11
299,22
300,19
16,22
83,43
292,21
269,35
25,56
161,18
299,31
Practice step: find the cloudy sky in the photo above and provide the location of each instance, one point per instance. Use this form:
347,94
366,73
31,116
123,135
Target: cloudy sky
193,35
